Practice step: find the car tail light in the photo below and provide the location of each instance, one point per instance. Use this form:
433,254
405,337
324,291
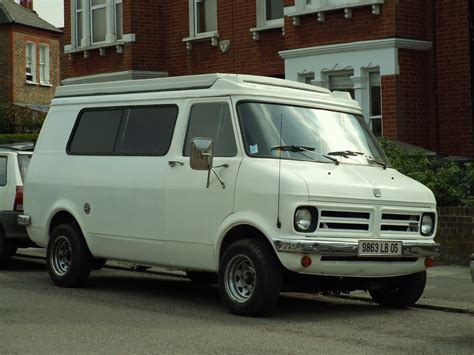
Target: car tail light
18,206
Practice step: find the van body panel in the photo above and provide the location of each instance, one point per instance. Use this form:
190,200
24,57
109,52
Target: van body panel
193,212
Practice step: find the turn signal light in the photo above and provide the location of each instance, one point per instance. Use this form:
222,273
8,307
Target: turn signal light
306,261
429,262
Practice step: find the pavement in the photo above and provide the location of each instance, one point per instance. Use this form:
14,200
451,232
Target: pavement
448,288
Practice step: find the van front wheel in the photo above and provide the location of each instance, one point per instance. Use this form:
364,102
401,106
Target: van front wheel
250,278
403,292
69,261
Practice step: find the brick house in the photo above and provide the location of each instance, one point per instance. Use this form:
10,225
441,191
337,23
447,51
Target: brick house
29,58
408,63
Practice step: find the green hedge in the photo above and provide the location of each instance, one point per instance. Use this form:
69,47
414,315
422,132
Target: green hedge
451,183
10,138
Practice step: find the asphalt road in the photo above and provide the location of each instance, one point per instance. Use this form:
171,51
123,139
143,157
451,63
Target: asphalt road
132,312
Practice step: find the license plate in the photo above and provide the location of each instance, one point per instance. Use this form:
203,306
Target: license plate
380,248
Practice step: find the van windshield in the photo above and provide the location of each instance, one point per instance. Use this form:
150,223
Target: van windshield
302,133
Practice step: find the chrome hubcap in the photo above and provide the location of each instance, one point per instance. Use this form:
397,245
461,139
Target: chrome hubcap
240,278
61,256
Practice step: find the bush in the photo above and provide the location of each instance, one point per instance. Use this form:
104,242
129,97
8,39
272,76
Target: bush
452,184
11,138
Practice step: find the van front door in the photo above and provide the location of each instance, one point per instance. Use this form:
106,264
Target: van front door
193,212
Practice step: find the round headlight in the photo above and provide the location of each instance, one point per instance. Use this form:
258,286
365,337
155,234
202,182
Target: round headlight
427,224
303,219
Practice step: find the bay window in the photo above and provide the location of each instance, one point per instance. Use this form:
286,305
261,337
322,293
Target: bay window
44,64
30,62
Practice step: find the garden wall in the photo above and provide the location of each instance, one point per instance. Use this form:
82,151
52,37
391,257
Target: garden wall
456,234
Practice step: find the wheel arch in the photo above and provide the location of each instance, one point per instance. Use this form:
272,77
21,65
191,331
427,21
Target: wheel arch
239,232
61,216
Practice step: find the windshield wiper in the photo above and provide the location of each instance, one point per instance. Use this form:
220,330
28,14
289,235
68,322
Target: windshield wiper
350,153
302,148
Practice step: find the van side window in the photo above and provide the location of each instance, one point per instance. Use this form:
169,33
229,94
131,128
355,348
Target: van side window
3,171
212,120
96,132
147,130
136,130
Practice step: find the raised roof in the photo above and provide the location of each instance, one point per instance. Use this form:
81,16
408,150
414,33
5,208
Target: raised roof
191,82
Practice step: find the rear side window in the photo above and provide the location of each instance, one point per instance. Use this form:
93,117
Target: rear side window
96,132
3,171
212,120
23,163
141,130
147,130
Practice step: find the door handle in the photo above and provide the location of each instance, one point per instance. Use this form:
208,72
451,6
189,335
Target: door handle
173,163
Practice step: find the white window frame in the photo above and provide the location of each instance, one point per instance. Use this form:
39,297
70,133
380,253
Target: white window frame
95,8
78,36
32,61
193,22
44,63
85,41
116,30
369,100
262,21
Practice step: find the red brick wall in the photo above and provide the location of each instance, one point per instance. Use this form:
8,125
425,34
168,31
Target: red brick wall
389,106
452,52
414,122
5,64
363,26
235,18
413,19
455,234
27,93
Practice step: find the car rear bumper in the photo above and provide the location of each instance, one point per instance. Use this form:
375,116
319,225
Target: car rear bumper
11,227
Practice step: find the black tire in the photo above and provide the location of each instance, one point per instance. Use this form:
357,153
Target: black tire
98,263
7,250
68,259
202,277
403,292
250,278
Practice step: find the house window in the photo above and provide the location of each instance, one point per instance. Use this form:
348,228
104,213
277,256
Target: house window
341,81
78,22
204,16
30,56
375,104
118,19
269,13
44,64
95,22
98,20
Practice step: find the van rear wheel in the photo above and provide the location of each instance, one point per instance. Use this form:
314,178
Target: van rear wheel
69,261
403,292
250,278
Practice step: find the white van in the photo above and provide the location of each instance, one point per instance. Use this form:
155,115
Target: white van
268,183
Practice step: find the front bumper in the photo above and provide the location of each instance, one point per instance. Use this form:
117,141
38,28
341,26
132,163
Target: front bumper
472,267
350,248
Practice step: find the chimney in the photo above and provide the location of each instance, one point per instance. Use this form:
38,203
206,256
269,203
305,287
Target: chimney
28,4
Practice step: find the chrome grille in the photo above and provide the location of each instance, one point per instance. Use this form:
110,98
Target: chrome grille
395,222
344,220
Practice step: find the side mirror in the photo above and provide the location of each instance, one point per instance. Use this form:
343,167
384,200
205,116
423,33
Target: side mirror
202,150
